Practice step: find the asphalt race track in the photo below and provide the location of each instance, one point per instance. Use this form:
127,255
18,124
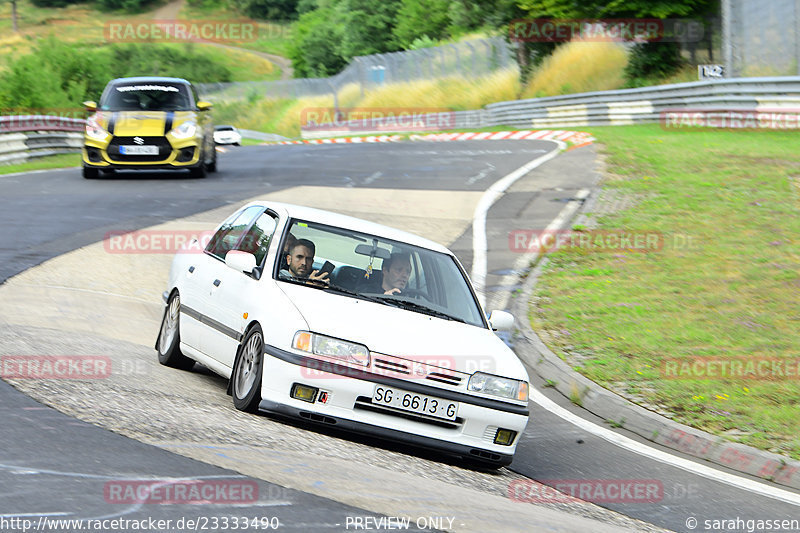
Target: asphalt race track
64,293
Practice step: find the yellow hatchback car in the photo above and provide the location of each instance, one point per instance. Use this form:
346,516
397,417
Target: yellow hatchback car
149,123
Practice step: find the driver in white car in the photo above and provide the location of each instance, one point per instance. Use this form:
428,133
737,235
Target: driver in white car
301,262
395,273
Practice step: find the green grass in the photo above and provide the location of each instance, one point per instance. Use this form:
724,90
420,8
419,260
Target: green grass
43,163
731,295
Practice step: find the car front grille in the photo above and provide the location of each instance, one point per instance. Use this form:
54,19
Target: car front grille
385,364
449,379
417,370
164,149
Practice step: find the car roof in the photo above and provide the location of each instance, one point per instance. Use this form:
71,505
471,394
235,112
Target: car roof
149,79
357,224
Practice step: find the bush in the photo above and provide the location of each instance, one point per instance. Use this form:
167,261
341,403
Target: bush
132,6
652,60
164,60
58,75
279,10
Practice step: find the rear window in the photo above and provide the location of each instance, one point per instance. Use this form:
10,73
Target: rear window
147,96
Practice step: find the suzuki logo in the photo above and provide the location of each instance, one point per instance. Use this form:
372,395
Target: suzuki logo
138,140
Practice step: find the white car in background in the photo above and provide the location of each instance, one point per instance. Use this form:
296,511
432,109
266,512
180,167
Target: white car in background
227,135
422,366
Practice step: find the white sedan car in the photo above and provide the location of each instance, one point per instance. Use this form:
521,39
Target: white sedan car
339,321
227,135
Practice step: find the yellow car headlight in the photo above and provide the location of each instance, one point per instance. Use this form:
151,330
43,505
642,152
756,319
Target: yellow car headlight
94,131
185,130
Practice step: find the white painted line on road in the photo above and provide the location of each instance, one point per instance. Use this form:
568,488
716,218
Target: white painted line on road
492,194
664,457
528,258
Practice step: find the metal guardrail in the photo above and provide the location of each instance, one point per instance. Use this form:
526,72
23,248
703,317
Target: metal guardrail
722,103
649,104
24,137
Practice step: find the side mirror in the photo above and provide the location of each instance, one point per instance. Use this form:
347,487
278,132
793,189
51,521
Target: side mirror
90,106
501,320
241,261
204,106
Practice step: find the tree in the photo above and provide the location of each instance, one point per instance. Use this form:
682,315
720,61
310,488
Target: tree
370,27
421,18
268,9
14,16
647,59
314,45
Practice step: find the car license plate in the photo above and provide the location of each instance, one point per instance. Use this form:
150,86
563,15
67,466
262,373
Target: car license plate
132,149
415,403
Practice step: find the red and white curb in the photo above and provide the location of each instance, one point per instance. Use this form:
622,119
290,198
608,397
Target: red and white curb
575,138
345,140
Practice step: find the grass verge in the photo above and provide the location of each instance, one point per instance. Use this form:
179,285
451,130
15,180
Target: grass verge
723,288
43,163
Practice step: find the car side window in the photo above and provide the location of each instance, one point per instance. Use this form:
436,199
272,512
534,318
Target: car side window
228,235
256,240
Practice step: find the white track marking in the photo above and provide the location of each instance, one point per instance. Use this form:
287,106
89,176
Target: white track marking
492,194
528,258
664,457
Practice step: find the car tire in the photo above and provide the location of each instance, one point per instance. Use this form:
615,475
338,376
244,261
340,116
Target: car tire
90,173
199,171
212,167
169,337
246,375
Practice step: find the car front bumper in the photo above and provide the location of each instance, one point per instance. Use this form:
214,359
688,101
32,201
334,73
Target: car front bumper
350,407
171,155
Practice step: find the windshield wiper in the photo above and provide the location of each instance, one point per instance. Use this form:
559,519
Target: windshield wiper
413,306
354,294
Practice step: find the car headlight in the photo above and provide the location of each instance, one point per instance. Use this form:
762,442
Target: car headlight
185,130
321,345
512,389
94,131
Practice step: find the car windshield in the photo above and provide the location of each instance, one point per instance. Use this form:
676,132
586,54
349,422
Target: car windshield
147,96
224,128
378,269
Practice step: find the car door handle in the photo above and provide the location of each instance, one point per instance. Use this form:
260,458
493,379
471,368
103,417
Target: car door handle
217,282
191,269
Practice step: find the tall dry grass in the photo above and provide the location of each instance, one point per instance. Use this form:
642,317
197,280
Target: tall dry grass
578,67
